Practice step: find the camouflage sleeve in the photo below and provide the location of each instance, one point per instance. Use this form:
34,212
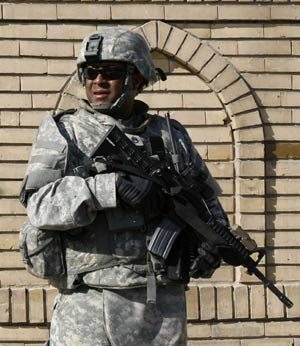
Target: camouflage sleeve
71,201
55,198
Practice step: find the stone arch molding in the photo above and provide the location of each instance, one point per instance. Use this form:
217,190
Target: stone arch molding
223,79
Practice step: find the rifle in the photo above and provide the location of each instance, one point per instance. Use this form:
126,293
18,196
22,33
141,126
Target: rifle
188,203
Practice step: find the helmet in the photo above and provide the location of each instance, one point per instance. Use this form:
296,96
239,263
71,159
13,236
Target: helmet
117,44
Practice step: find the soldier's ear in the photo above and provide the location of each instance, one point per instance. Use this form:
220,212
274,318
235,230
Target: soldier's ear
138,82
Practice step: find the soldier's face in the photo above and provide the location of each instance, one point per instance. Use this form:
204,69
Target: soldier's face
104,82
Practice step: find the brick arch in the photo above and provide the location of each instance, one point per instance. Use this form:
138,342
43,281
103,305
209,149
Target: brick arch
233,92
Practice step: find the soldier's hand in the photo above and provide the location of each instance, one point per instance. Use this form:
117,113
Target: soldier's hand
136,191
207,261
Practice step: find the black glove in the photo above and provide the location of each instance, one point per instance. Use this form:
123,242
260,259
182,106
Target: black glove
138,192
207,261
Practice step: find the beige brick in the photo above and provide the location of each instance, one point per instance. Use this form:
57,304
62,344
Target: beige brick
225,78
213,68
149,31
31,118
227,186
63,67
46,101
83,11
296,82
12,171
50,293
283,168
190,12
249,134
283,186
201,57
249,64
183,83
275,308
221,169
276,115
18,302
19,278
198,331
264,47
133,11
251,204
189,117
36,305
245,329
215,117
220,152
11,135
13,153
202,150
14,102
188,48
174,41
192,305
11,206
246,12
250,151
250,187
234,91
283,238
18,333
9,119
292,292
267,342
11,223
225,47
281,30
69,31
210,134
4,305
269,81
163,31
230,342
289,98
9,48
251,169
251,222
257,301
45,83
224,302
25,65
9,260
290,12
246,120
47,49
223,274
282,65
201,30
295,47
241,302
283,221
207,303
162,100
283,256
239,30
9,241
15,30
29,11
282,204
282,328
285,273
204,100
243,104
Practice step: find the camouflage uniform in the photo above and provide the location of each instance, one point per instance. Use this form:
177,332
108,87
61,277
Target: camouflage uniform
91,247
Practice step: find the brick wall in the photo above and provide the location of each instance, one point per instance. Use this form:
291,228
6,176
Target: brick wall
233,81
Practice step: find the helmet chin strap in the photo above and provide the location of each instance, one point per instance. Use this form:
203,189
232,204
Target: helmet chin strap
112,108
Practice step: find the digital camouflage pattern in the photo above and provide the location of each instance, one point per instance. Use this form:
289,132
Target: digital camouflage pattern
121,45
119,318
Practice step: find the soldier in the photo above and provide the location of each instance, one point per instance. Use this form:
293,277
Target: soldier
89,226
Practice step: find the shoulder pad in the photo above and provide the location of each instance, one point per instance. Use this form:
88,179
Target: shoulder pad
58,115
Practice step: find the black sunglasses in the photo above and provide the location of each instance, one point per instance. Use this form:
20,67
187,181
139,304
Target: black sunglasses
108,73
